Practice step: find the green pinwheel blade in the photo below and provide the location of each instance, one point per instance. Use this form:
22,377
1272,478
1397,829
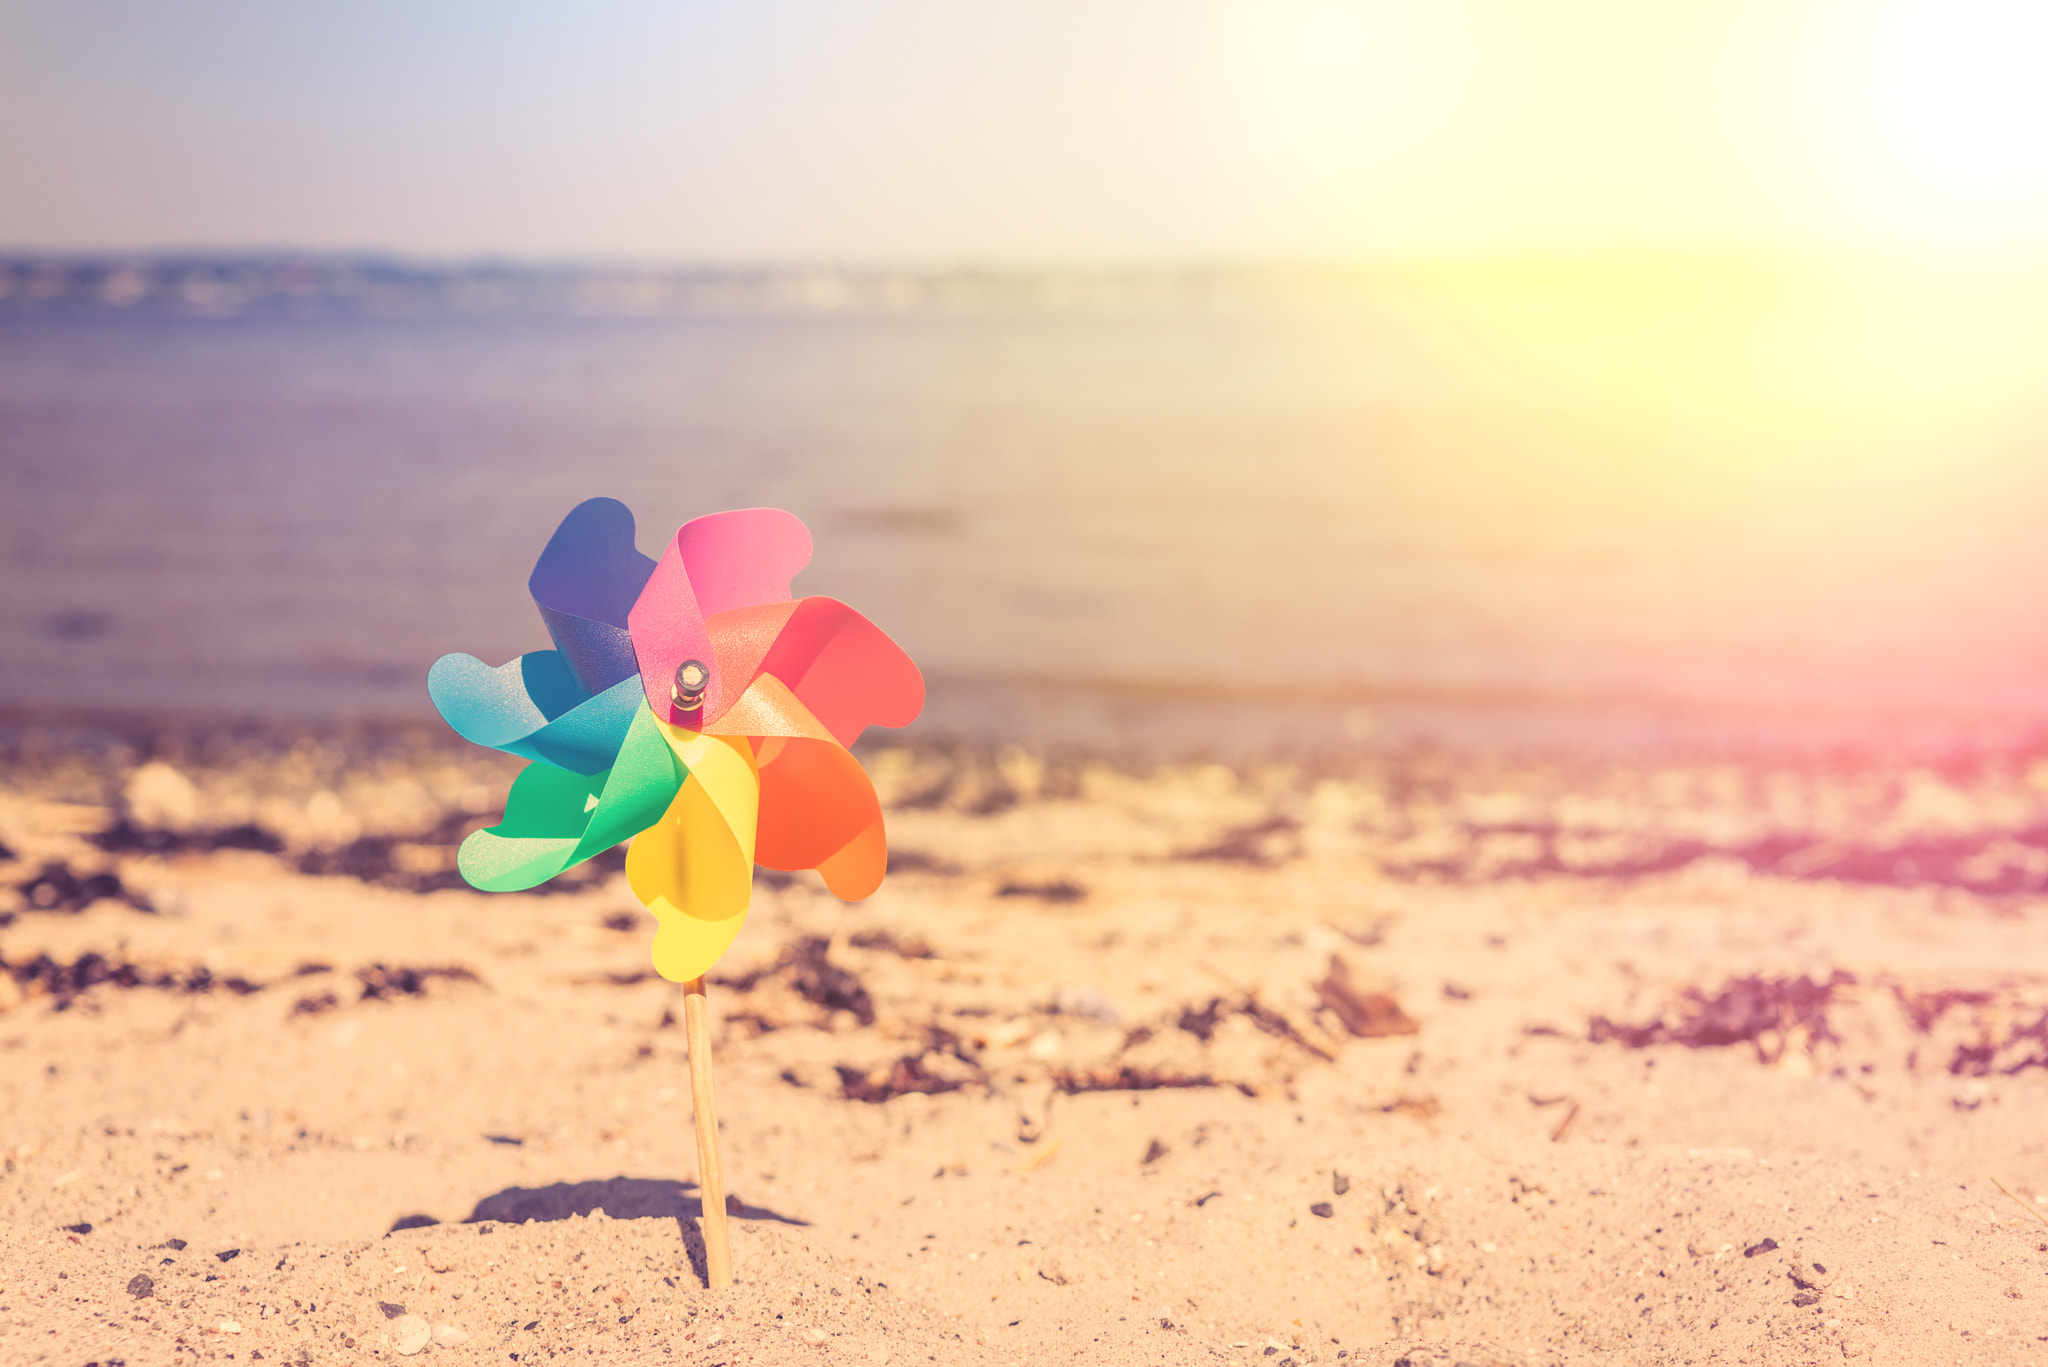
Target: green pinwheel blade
637,789
555,819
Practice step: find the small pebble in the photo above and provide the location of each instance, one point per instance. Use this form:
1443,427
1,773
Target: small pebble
391,1312
816,1337
1322,1208
140,1285
409,1334
229,1255
1339,1183
448,1336
1089,1002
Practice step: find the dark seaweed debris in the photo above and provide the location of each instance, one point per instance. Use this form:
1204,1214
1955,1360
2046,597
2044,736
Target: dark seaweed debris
383,984
806,965
1990,863
1202,1024
906,1075
1763,1012
943,1063
2024,1048
916,861
1054,890
425,861
125,837
883,941
2003,1044
1263,844
1925,1009
65,982
1125,1078
57,887
821,982
380,983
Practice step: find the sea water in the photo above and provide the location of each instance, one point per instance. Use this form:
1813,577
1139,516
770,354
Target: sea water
1173,527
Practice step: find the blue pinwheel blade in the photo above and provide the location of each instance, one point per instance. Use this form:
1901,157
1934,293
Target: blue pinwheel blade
585,583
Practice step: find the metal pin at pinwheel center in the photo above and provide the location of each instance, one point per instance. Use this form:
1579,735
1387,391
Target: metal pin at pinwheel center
692,707
687,692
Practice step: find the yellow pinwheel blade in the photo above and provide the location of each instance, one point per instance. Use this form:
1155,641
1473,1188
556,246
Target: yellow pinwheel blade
694,868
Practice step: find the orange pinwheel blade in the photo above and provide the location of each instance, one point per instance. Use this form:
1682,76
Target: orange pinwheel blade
818,807
816,802
855,869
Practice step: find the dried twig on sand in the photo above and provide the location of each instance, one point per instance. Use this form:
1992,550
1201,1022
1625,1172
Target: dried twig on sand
2025,1204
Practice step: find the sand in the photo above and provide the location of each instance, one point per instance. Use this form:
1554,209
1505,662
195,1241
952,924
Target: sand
1660,1064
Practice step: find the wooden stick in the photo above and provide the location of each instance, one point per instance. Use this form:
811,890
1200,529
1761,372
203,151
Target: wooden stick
710,1174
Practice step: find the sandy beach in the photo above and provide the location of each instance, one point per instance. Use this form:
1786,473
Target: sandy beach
1406,1060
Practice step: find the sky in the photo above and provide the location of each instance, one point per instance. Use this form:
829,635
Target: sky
947,132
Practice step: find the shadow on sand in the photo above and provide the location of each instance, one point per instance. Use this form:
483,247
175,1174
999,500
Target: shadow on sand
621,1198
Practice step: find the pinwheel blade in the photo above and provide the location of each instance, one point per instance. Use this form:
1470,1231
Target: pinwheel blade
533,707
819,811
845,669
715,563
555,819
585,584
694,868
854,871
743,557
546,814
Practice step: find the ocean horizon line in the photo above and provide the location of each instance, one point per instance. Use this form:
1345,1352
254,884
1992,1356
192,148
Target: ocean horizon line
195,282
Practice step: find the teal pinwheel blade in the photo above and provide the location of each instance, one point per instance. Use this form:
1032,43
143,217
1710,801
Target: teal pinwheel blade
556,819
533,707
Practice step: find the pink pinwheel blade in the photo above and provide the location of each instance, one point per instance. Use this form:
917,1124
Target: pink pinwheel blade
742,558
715,563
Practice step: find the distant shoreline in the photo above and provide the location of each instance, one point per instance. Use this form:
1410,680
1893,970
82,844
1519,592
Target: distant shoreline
1973,825
311,286
224,284
1145,729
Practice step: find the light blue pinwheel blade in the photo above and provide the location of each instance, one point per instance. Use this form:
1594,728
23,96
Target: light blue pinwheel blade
531,708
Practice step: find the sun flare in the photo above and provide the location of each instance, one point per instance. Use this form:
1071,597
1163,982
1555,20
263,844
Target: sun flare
1961,115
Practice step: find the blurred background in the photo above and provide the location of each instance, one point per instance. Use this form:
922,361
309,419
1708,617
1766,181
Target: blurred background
1179,377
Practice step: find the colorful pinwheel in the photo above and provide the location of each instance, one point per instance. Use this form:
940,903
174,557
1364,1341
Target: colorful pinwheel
692,703
691,706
